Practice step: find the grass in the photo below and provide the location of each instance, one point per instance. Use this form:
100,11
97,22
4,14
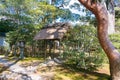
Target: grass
69,72
29,59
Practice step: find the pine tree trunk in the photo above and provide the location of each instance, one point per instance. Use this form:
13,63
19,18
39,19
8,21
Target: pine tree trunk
115,69
113,55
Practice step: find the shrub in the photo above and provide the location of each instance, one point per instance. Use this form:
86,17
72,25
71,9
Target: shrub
82,48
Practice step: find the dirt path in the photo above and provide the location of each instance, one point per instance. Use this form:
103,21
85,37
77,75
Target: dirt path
14,70
104,69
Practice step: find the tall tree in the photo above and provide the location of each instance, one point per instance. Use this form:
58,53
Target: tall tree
111,16
75,7
101,14
14,14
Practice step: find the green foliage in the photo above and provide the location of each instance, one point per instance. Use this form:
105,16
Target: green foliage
115,38
25,33
117,18
29,12
117,23
27,17
7,25
82,48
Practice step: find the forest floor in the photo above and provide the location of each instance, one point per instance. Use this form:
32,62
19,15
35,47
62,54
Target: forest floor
36,69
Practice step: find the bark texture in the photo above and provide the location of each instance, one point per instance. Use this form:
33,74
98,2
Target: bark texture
102,17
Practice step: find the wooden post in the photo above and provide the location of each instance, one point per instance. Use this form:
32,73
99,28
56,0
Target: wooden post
60,47
45,49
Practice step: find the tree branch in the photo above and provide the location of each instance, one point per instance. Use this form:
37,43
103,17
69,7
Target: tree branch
89,5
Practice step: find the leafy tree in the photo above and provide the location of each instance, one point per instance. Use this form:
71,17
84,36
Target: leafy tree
14,13
7,25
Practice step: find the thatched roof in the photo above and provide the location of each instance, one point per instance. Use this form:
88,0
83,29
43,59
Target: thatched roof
53,31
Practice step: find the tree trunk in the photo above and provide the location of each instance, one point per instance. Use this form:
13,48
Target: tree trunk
115,69
112,54
102,17
111,23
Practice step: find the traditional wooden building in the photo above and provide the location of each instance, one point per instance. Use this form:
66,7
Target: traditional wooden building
53,33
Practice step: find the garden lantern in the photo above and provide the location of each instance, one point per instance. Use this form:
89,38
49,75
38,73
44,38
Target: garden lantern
21,45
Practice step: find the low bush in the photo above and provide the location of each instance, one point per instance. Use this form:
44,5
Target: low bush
82,48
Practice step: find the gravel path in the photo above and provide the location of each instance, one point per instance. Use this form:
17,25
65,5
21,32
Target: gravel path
13,70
